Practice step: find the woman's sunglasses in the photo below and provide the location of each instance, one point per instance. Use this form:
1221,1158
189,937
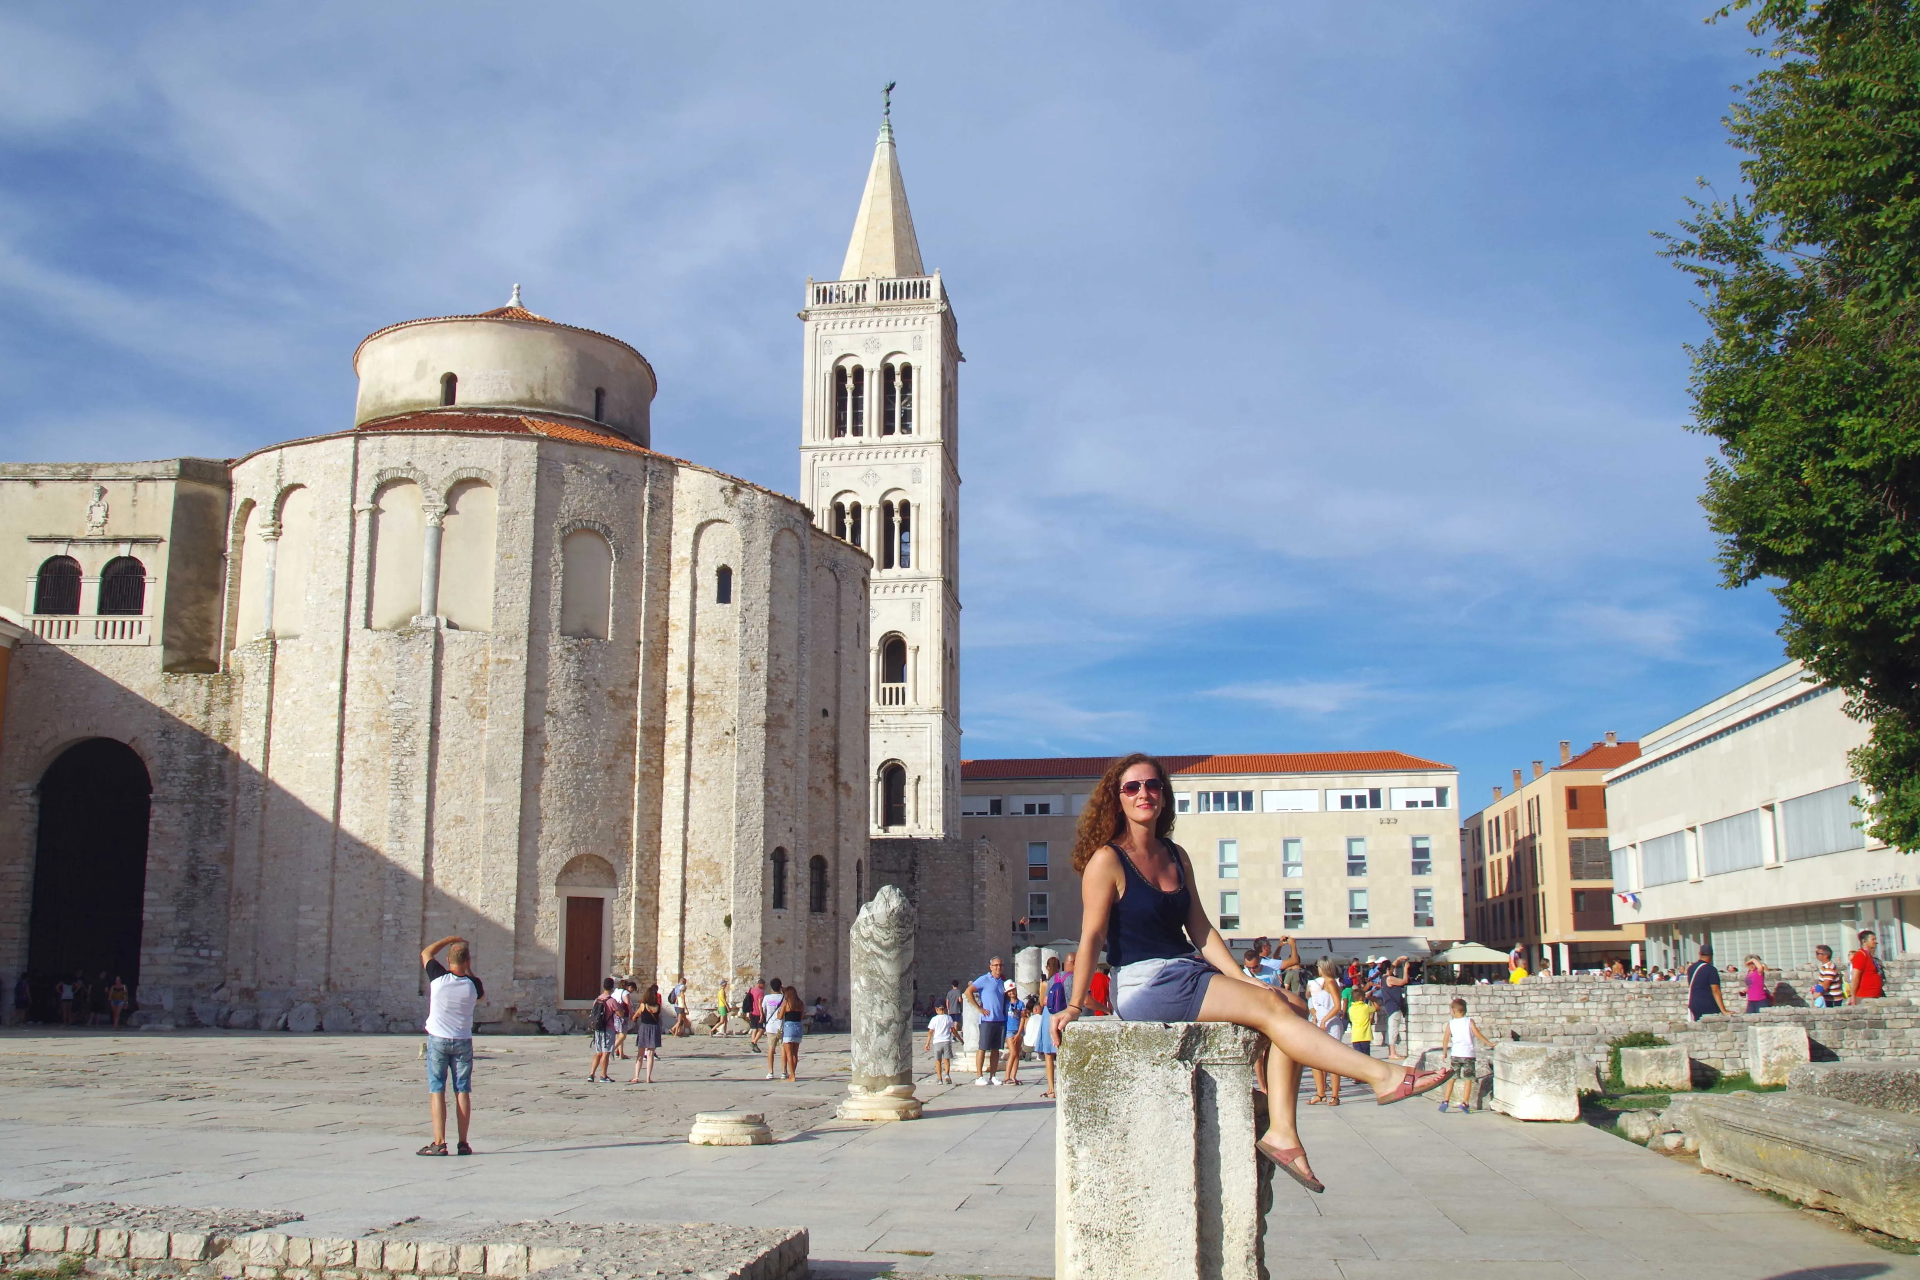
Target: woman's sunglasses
1133,787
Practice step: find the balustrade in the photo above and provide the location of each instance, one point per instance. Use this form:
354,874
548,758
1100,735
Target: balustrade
893,695
67,628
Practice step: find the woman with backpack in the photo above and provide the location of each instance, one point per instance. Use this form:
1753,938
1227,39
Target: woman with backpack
601,1020
793,1025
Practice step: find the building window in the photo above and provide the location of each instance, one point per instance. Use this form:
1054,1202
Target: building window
779,879
893,796
123,586
817,885
1589,858
896,521
849,400
1230,910
1036,859
1036,912
1418,797
1293,910
1573,798
723,585
903,391
586,584
1356,908
846,522
599,404
1229,859
1356,855
1037,806
58,587
981,806
449,389
1183,802
1423,855
1226,802
1423,908
1354,798
1292,862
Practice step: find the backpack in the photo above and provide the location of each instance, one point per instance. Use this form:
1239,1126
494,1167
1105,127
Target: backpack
601,1015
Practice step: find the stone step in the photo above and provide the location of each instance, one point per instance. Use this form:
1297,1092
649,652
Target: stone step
1829,1154
1890,1085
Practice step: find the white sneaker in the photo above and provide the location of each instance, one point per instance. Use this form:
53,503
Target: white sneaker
982,1081
769,1075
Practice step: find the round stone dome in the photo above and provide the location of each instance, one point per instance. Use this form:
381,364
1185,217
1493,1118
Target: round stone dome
507,358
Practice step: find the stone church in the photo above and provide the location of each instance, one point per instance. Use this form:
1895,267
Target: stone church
483,662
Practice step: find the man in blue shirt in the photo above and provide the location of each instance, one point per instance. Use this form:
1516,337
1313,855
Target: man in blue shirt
988,994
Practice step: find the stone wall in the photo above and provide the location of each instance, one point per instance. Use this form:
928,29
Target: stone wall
1585,1013
962,893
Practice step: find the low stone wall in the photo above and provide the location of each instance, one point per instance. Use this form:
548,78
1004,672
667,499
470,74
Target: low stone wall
1585,1013
127,1241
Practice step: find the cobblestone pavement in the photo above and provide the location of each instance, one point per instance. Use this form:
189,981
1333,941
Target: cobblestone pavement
327,1125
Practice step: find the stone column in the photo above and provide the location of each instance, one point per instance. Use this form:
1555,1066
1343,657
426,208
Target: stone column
436,515
881,957
1154,1168
1027,971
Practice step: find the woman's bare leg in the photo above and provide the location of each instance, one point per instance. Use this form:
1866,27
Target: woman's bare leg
1283,1097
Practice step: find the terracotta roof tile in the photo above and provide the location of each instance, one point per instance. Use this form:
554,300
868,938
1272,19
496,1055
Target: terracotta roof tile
1602,756
511,312
1206,765
503,424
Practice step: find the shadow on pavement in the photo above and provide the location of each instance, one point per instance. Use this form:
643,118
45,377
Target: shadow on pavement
1838,1271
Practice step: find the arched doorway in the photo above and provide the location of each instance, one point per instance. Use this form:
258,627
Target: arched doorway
90,868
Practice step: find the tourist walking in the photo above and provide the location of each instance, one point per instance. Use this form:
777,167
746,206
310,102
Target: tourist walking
453,989
793,1025
1703,987
1017,1011
720,1026
953,1001
1826,981
770,1010
22,999
646,1033
117,1000
623,1016
1360,1011
601,1020
756,1019
1464,1057
677,1001
1868,979
1757,998
940,1044
1172,965
1056,1000
1393,1010
1323,1007
988,994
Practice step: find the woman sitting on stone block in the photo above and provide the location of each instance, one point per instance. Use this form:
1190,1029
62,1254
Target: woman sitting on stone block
1171,965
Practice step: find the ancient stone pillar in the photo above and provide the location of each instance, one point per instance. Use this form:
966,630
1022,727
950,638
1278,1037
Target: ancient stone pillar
1154,1168
881,958
1773,1051
1026,971
1536,1081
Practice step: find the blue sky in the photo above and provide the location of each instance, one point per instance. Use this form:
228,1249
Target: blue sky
1323,387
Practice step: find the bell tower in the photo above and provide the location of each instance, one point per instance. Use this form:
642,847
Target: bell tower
879,466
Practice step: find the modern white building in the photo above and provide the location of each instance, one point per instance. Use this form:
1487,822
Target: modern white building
1738,825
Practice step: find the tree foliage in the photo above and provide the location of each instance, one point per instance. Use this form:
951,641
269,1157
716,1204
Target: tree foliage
1810,380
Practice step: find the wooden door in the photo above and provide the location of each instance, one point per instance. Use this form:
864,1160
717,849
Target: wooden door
584,916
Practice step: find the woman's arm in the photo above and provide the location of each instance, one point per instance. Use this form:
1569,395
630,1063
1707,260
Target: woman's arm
1100,887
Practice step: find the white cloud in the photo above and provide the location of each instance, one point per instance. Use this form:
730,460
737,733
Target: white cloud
1308,697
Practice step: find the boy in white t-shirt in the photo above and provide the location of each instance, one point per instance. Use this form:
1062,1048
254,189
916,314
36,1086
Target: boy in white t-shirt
1461,1033
940,1044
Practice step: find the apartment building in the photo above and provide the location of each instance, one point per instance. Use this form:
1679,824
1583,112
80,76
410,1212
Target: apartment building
1355,852
1539,874
1738,825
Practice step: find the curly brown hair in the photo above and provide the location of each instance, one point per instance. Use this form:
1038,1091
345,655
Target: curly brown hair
1101,822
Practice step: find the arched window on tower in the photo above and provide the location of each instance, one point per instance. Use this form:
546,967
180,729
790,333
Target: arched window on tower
723,585
599,404
449,389
893,672
840,402
893,797
857,401
889,400
779,879
57,590
817,885
904,392
123,586
904,515
886,534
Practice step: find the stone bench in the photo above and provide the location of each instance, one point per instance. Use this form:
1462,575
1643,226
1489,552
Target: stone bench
1536,1081
1154,1168
1860,1161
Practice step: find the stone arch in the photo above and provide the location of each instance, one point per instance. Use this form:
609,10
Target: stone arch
292,560
397,542
90,865
586,582
893,795
588,871
459,474
387,475
246,566
467,554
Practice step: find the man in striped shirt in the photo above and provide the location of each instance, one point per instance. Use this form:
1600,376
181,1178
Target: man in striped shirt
1826,991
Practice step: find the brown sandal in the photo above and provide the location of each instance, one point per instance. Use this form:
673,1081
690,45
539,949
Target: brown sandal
1334,1101
1412,1085
1283,1158
1315,1100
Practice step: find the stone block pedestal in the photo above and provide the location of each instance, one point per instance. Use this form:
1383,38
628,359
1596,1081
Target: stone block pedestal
1666,1068
1774,1051
1536,1081
730,1129
1154,1169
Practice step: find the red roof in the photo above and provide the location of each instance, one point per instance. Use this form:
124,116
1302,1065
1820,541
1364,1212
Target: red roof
1199,766
1602,756
515,424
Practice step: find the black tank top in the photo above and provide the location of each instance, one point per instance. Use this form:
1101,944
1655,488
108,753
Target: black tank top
1148,922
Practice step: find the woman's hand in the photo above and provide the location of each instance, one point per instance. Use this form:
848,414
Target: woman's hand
1061,1019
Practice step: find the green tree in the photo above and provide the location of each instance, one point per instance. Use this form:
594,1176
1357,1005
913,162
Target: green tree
1810,380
